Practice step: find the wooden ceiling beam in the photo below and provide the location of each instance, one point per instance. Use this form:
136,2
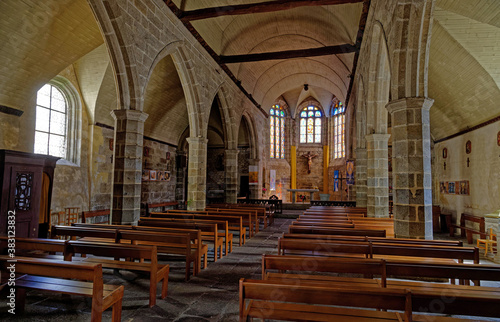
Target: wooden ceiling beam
243,9
310,52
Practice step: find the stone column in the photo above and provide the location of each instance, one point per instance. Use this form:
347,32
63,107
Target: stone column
360,177
231,168
197,173
412,178
377,172
255,190
127,166
180,186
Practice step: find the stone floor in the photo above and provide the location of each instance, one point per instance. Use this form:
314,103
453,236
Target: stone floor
211,296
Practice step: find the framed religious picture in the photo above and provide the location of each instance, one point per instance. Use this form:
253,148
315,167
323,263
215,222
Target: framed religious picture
145,175
112,143
442,187
457,187
464,187
468,147
446,187
451,187
167,175
145,151
445,153
160,176
349,172
152,175
168,156
498,138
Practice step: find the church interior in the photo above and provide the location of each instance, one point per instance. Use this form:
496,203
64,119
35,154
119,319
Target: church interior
305,114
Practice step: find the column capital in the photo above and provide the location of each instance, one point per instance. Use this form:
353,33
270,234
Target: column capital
377,137
409,102
132,115
199,140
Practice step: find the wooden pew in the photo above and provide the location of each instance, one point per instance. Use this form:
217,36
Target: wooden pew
209,231
221,224
157,273
174,244
247,219
289,301
455,243
333,224
161,205
376,250
202,249
335,231
250,218
59,277
97,216
26,246
263,213
468,231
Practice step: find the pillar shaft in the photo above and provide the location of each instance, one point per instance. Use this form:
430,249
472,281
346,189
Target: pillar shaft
377,172
361,177
197,173
255,189
231,168
412,178
127,166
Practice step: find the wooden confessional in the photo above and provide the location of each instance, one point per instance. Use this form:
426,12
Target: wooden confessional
21,176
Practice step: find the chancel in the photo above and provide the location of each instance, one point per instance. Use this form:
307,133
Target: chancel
152,150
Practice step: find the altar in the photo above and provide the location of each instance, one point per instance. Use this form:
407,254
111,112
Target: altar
311,191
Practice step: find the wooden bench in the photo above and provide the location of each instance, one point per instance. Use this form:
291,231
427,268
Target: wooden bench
334,224
175,244
161,205
235,222
250,218
423,290
59,277
33,246
157,273
221,224
336,231
468,231
97,216
282,300
209,231
264,213
375,250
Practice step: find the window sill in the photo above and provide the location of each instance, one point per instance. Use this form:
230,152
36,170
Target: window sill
66,163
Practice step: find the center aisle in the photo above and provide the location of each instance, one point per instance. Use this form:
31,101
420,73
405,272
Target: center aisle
213,294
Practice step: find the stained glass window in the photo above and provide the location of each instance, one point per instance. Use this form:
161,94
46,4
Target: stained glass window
310,125
339,131
50,125
277,132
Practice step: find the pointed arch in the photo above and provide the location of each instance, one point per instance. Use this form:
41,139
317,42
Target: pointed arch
251,133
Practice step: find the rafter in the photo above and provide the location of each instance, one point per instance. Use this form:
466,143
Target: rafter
250,8
287,54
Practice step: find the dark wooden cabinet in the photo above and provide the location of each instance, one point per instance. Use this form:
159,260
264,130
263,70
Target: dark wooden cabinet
21,175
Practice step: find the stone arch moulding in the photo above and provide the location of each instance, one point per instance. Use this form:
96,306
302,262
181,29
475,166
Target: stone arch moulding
197,124
117,38
361,114
229,126
379,82
251,134
413,35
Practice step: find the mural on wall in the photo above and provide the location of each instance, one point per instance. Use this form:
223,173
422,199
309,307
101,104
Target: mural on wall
253,175
468,147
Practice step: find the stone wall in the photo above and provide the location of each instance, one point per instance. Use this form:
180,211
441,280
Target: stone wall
482,172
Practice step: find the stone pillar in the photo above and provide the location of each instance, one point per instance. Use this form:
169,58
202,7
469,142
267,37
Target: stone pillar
377,172
360,177
255,189
127,166
231,168
180,186
412,178
197,173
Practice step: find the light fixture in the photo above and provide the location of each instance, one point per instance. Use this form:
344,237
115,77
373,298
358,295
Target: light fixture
306,87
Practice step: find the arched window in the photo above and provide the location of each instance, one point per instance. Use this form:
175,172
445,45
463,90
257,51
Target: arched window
338,131
277,132
50,128
58,120
310,125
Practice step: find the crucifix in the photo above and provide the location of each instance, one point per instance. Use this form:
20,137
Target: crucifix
309,157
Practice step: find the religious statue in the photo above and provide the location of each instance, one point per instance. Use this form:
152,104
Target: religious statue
309,157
